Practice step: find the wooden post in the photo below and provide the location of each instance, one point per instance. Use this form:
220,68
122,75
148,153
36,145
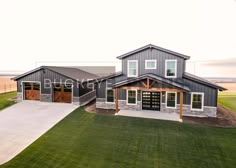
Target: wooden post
181,106
116,97
148,84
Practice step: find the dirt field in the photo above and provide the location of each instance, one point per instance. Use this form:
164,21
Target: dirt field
6,84
230,86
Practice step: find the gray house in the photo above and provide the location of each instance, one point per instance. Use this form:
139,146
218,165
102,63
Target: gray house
154,78
56,84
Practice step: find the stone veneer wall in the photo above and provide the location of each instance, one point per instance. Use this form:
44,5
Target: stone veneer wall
100,103
19,96
76,101
207,112
46,98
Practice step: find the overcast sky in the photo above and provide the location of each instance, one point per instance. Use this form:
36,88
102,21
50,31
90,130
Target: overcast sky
89,32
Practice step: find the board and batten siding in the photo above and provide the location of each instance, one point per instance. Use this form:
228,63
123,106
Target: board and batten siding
154,54
210,94
41,75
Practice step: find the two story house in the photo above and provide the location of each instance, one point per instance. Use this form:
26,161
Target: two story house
154,78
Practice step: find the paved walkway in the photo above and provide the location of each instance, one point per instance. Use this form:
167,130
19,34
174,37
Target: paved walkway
24,122
150,114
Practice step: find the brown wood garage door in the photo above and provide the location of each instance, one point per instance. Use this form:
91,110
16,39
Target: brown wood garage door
62,93
32,91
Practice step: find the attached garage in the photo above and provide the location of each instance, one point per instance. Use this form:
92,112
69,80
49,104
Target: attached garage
31,90
56,84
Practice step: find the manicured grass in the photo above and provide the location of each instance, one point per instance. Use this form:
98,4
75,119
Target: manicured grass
90,140
228,99
4,99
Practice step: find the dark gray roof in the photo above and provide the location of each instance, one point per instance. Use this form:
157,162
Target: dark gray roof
110,76
156,47
70,72
153,77
203,81
73,73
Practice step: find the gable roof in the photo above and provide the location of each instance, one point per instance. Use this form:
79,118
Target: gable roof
70,72
153,77
155,47
202,81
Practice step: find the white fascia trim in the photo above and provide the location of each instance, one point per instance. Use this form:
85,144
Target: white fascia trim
136,75
155,65
136,97
197,93
168,60
175,100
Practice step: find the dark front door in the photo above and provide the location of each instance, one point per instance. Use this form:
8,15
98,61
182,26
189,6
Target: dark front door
62,93
151,100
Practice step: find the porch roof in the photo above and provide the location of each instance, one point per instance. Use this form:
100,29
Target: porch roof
154,78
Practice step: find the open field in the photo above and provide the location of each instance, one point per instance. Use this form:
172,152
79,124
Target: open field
228,99
5,99
85,139
231,86
6,84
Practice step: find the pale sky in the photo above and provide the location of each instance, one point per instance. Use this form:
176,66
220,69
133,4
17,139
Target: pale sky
94,32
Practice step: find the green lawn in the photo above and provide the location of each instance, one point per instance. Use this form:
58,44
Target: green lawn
90,140
4,99
228,99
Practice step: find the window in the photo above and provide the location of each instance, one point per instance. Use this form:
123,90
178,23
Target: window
110,94
171,99
132,97
132,68
150,64
197,100
170,68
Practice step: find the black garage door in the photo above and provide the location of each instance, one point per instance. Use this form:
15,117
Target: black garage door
151,100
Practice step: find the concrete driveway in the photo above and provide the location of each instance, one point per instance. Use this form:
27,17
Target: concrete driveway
24,122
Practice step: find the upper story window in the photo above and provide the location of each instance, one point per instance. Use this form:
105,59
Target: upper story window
197,100
170,68
150,64
132,68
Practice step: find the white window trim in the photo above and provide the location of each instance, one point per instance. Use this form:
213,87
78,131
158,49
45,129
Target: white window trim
175,100
127,93
168,60
107,88
200,93
136,75
155,61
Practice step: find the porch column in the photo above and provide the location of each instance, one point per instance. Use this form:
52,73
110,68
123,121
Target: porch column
181,106
116,97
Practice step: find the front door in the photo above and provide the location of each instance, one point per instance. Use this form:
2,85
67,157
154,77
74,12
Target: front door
151,100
